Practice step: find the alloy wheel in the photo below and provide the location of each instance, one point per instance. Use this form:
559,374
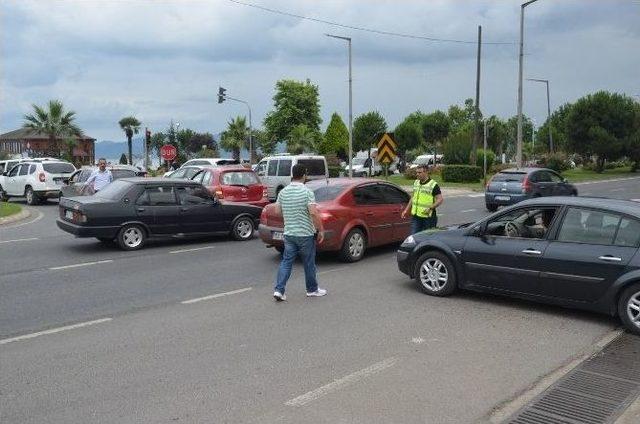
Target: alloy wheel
132,237
633,309
356,245
244,229
434,274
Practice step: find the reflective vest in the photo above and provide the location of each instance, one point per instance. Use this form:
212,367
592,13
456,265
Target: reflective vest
422,198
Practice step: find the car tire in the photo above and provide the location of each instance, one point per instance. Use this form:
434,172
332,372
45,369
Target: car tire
3,195
435,274
32,197
491,207
243,228
629,308
354,246
131,237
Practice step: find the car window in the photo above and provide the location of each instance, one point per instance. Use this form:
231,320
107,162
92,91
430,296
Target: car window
328,192
156,196
58,168
261,168
542,177
368,195
243,178
14,171
198,177
115,190
122,173
190,172
193,195
588,226
509,176
284,169
84,176
393,195
178,174
206,179
24,169
273,167
32,169
531,222
2,165
628,233
555,177
314,166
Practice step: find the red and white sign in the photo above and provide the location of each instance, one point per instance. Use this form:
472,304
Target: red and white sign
168,152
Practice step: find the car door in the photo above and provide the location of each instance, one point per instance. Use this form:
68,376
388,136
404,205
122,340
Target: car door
559,186
158,208
198,211
13,180
397,199
284,173
542,182
508,263
371,207
591,250
271,177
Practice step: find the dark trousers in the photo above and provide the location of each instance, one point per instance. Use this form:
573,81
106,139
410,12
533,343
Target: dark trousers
420,224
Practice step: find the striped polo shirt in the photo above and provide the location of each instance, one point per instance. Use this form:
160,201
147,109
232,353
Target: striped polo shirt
294,200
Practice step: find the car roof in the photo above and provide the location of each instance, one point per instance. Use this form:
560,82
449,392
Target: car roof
523,170
157,180
352,182
615,205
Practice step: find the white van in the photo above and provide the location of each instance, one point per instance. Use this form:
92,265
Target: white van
275,171
362,161
425,160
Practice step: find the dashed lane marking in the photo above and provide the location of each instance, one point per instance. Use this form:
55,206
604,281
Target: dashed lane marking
192,250
54,330
468,210
55,268
214,296
476,195
17,240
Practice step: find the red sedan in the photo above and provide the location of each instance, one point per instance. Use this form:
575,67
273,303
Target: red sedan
233,184
357,214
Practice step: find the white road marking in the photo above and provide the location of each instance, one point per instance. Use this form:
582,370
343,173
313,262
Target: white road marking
55,268
341,382
618,189
332,270
418,340
17,240
468,210
635,200
54,330
191,250
476,195
214,296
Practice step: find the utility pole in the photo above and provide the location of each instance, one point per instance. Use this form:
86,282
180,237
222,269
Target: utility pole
548,112
484,156
222,96
476,131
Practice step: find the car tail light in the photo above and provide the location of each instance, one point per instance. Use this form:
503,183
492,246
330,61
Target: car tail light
526,185
218,191
42,177
488,183
326,216
265,193
263,216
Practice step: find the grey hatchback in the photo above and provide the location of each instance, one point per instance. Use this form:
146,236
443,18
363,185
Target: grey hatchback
517,184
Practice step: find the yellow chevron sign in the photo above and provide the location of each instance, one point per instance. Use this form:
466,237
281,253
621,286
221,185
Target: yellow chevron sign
387,149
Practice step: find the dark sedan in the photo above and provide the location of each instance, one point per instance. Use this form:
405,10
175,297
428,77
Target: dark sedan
131,210
570,251
515,185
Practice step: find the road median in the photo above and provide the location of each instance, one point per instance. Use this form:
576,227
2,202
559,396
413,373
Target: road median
10,212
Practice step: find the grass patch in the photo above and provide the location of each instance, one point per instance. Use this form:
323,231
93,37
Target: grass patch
7,209
580,174
401,180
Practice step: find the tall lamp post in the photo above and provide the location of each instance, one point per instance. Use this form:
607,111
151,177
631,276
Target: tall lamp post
221,98
519,139
548,111
348,40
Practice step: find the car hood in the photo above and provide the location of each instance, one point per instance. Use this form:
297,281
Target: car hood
443,232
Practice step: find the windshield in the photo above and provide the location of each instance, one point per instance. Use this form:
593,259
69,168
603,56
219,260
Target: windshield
243,178
423,160
328,192
58,168
359,161
114,190
509,176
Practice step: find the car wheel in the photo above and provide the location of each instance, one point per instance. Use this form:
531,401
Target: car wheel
491,207
32,198
3,195
629,308
131,237
243,228
435,274
354,246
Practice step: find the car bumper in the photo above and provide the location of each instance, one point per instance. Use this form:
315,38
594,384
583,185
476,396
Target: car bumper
48,193
259,203
404,262
266,235
504,199
86,231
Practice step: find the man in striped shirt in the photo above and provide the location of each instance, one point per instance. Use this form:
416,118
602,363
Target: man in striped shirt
297,205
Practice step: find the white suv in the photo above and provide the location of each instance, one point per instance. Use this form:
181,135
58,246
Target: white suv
35,180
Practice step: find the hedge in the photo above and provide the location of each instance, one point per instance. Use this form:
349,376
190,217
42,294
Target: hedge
461,173
334,171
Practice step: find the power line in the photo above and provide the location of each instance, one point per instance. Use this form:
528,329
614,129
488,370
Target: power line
357,28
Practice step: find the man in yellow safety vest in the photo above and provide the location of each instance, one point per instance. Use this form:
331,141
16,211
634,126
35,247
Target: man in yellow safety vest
426,198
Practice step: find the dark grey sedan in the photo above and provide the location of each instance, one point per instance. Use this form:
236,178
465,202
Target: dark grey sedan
515,185
576,252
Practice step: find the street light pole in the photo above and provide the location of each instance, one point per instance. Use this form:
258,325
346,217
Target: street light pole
221,98
519,136
548,111
484,155
348,40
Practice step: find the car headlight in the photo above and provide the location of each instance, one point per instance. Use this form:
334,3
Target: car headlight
409,241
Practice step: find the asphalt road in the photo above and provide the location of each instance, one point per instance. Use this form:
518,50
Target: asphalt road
374,350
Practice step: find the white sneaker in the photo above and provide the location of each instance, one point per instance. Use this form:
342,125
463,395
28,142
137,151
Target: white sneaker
317,293
279,296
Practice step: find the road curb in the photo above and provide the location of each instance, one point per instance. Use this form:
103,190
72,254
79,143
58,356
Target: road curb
22,215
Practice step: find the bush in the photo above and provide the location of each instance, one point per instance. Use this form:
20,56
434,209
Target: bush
461,173
457,147
556,161
491,158
334,171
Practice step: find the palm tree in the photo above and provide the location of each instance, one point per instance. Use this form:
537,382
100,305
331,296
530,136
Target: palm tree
301,139
130,125
236,136
54,122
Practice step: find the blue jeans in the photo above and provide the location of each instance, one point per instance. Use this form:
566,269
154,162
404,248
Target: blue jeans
306,248
420,224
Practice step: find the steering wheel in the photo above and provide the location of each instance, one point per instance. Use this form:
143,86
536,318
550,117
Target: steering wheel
511,229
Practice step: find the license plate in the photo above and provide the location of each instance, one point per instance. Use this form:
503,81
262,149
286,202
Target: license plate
68,215
504,198
277,235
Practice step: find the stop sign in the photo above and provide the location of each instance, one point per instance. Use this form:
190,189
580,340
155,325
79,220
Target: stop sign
168,152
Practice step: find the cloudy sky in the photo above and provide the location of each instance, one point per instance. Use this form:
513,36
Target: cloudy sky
164,60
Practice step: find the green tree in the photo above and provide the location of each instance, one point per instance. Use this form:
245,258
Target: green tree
302,139
194,143
602,124
55,122
408,135
558,125
130,125
336,138
510,144
123,159
497,134
265,142
158,140
236,136
367,130
295,103
457,148
459,116
435,129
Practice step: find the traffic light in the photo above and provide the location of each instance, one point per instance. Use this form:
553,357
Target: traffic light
147,135
221,95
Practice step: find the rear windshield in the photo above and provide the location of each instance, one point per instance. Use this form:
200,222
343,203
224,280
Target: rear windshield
115,190
243,178
329,192
58,168
122,173
227,162
314,166
509,176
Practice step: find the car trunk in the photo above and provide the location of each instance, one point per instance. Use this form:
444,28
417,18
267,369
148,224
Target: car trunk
59,173
507,183
241,186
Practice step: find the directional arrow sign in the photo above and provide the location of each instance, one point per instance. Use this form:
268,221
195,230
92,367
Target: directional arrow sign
387,149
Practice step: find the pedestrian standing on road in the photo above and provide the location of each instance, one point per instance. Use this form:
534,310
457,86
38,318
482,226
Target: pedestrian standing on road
302,228
100,177
427,196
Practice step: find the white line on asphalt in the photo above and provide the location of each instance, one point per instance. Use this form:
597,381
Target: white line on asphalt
332,270
80,265
468,210
635,200
214,296
476,195
54,330
341,382
16,240
618,189
192,250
